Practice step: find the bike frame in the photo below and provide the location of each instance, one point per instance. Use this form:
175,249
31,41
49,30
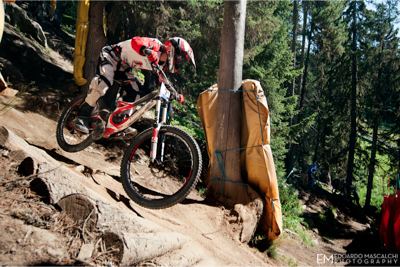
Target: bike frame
130,108
160,98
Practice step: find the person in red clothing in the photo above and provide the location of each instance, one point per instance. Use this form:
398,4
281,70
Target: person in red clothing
138,53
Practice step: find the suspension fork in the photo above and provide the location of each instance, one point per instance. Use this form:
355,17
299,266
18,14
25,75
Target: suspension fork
161,118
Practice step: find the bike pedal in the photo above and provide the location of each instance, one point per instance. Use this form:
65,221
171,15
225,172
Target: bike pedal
104,114
130,132
127,134
98,129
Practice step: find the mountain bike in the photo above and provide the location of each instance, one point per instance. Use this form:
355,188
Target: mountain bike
162,164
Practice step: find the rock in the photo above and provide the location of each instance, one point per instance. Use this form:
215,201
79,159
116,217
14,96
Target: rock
9,92
19,18
86,251
248,220
244,218
5,153
80,168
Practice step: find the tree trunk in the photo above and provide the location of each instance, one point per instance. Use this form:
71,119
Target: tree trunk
114,21
292,151
353,102
81,209
96,39
371,167
375,127
295,19
305,70
226,183
303,41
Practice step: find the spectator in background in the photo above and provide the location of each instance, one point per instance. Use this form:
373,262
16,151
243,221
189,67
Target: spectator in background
311,172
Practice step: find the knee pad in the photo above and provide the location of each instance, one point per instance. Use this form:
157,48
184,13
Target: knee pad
97,89
98,85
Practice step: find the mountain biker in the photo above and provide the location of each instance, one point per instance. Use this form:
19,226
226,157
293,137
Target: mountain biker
131,56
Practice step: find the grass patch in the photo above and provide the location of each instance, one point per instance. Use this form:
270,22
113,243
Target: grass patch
383,170
292,211
272,252
291,262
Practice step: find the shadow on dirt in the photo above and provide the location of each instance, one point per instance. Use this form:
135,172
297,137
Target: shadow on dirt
336,218
329,225
369,251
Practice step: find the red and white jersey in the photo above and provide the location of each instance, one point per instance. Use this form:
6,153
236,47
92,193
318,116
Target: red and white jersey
132,52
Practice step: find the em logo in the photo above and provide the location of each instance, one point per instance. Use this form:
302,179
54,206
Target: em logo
323,259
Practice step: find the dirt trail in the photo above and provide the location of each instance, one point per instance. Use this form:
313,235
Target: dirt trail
212,242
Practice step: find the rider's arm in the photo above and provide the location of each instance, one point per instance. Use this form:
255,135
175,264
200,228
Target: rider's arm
147,47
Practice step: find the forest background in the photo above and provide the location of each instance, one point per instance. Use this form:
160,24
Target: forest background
329,69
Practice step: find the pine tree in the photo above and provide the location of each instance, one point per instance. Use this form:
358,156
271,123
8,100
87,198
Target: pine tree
353,97
228,188
383,62
273,67
323,142
305,54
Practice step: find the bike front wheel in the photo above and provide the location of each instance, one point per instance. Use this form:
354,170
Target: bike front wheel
167,180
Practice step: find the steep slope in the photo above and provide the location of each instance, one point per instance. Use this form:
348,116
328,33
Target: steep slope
207,234
210,239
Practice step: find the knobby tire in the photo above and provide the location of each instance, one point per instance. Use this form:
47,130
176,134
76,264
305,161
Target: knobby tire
169,200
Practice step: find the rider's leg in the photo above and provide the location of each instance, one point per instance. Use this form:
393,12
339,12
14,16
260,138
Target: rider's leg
97,88
107,65
100,84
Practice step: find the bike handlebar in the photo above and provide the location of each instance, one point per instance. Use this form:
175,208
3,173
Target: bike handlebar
175,95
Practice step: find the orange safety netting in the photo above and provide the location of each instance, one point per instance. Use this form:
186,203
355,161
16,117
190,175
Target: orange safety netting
257,160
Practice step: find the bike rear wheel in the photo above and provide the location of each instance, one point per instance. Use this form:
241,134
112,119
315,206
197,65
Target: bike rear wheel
168,180
68,138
